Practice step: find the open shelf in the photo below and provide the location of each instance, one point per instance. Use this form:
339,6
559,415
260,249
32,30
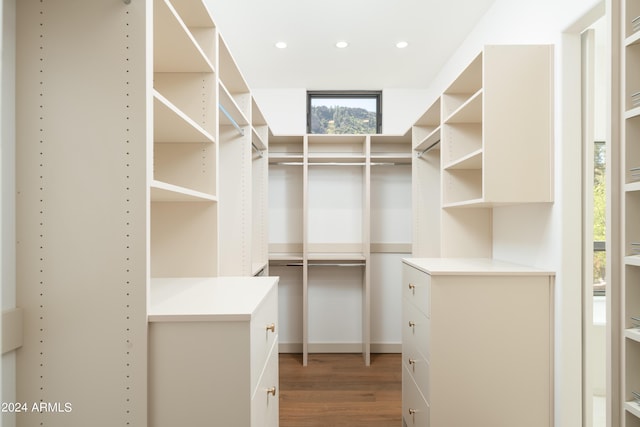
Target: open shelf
172,125
175,48
469,112
163,192
231,113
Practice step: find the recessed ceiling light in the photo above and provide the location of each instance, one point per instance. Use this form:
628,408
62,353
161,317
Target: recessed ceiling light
342,44
402,45
281,45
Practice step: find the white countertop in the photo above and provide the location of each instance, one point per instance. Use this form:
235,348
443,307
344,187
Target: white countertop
207,298
473,266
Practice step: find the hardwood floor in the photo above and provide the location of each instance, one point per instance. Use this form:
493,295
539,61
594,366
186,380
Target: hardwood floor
338,390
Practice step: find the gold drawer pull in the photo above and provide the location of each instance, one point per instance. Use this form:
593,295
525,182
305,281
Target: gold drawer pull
412,324
412,411
271,391
271,327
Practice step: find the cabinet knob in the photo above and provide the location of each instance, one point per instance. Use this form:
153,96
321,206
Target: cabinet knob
271,327
412,324
271,391
412,286
412,361
412,411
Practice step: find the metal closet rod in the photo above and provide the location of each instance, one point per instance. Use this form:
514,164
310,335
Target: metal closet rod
429,148
340,164
233,122
324,264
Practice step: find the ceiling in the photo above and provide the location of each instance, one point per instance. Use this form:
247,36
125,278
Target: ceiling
433,29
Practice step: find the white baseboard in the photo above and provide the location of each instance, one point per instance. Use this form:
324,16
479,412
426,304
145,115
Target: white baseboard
340,348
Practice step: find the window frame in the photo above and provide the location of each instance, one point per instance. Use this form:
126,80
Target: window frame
347,94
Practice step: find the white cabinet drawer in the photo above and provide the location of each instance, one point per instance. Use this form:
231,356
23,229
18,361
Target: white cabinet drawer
418,367
415,410
415,330
264,332
265,401
416,288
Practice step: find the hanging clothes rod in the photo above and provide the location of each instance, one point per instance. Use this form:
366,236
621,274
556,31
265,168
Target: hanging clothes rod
337,164
233,122
337,264
429,148
287,163
341,164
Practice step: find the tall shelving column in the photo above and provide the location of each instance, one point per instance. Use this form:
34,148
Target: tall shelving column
286,230
83,136
259,191
630,133
336,222
235,163
426,133
184,181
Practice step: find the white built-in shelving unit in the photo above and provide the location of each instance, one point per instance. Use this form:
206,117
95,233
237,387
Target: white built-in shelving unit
142,160
485,142
332,206
630,209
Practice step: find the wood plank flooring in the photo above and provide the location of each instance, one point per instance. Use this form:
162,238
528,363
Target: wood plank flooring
338,390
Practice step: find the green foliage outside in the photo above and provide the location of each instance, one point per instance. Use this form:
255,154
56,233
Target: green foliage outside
599,211
342,120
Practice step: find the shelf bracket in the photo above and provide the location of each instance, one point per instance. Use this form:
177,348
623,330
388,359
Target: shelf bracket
257,150
233,122
429,148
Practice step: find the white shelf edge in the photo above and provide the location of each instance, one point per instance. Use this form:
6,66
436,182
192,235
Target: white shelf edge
633,408
459,163
632,334
632,113
632,186
633,260
165,192
205,136
464,106
632,39
429,140
472,203
335,256
257,267
229,104
280,256
257,139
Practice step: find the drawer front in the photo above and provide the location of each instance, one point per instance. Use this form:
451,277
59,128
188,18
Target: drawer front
418,367
415,410
416,288
415,331
265,402
264,332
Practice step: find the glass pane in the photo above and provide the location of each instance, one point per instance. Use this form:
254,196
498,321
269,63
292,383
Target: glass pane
342,115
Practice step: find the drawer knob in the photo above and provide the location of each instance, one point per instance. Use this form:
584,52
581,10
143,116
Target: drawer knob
412,411
412,324
412,286
271,391
412,361
271,327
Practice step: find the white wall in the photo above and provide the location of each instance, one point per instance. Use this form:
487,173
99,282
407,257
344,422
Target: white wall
7,201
